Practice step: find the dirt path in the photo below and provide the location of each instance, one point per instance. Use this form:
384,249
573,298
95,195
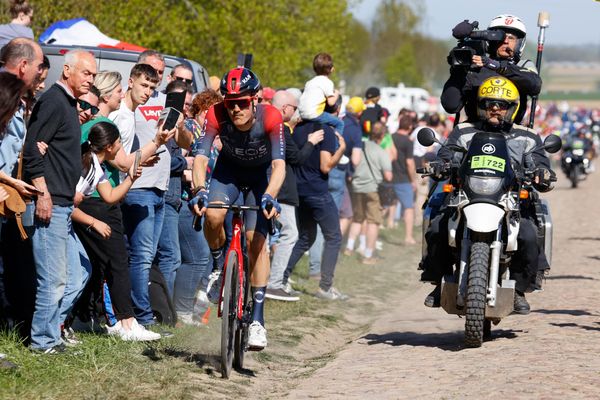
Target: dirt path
415,352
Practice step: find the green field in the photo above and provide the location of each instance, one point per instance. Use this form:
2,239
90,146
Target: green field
570,96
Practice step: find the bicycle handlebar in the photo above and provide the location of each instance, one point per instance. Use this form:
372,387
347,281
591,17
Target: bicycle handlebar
197,223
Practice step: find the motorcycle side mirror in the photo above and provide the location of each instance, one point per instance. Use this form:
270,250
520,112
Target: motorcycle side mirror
552,144
426,137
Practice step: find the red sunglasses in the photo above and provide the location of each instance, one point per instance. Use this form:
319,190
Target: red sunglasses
242,103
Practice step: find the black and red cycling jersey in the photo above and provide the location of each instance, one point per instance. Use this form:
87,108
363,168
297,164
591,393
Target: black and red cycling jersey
260,145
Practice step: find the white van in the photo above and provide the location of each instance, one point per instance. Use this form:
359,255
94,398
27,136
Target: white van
396,98
121,61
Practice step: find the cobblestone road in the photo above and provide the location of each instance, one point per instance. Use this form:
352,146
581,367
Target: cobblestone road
553,353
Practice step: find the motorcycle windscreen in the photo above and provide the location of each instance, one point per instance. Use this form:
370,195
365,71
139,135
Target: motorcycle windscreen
487,156
486,166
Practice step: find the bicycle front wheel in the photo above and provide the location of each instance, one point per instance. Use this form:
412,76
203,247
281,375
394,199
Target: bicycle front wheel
241,334
229,319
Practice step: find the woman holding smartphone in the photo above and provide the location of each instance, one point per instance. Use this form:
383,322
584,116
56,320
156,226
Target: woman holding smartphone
101,230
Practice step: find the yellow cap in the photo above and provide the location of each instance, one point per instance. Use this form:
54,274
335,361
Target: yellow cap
356,105
498,88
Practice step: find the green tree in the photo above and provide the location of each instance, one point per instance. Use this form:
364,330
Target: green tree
283,36
402,67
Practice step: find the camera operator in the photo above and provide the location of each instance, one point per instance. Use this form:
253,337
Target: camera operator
503,58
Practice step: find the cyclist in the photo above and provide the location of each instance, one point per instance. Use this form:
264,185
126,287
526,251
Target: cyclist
252,141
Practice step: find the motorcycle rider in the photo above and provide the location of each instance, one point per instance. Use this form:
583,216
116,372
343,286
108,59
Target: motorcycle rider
504,59
497,105
577,141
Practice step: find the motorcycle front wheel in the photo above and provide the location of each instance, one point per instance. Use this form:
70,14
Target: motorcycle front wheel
476,294
574,176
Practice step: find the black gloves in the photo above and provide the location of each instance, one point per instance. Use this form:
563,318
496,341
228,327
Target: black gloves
438,170
543,179
494,65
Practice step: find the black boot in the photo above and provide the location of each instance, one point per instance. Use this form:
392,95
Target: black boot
521,305
433,298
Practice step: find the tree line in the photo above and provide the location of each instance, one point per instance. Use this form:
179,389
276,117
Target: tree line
282,36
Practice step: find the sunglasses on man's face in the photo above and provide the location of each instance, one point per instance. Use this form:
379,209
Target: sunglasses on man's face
241,103
491,104
184,80
84,105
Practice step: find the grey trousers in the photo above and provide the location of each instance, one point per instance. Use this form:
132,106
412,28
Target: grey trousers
288,237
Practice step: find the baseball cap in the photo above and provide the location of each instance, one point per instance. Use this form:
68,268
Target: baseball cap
355,105
372,92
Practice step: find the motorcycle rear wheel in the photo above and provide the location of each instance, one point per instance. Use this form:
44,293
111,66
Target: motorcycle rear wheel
476,294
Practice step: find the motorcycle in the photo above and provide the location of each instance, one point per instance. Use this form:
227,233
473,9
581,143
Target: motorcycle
483,198
574,163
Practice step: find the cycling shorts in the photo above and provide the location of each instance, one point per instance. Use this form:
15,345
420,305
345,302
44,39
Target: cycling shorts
225,186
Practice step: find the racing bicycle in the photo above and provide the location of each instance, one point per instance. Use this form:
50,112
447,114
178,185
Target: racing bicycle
235,304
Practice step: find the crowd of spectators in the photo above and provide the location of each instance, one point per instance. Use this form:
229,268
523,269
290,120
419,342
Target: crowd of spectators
106,190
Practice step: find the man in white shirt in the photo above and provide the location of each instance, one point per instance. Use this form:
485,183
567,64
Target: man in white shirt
143,207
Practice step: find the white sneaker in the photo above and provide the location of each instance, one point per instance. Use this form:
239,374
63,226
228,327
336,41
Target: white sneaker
69,338
331,294
114,330
201,297
290,290
213,288
257,336
138,333
187,319
378,245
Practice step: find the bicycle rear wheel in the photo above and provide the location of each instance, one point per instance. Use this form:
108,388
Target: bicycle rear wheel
229,321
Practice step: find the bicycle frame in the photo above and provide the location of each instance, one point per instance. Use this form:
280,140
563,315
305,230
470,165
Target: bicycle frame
235,247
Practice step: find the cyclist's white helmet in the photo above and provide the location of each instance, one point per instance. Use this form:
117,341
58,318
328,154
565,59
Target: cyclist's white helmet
515,24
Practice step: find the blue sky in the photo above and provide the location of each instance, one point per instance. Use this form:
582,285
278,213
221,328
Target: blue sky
571,21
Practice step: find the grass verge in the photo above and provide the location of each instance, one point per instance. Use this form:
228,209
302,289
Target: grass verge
303,336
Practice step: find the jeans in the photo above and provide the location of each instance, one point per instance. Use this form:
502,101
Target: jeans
331,120
143,215
288,237
336,183
195,261
60,276
77,278
313,211
168,253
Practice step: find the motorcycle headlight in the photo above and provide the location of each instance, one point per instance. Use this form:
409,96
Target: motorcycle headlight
568,160
484,185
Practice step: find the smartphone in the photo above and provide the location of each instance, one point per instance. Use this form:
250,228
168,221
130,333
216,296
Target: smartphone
138,160
170,116
175,100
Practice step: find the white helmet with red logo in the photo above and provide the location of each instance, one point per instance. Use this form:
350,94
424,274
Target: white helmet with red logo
511,23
